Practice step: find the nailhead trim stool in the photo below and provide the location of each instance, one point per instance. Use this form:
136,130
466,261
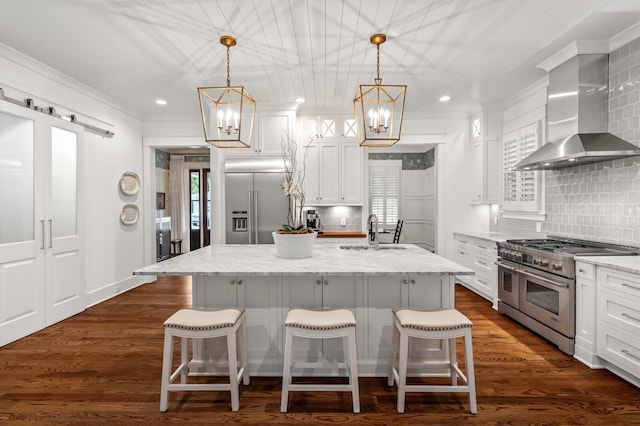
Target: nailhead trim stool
195,324
320,325
445,324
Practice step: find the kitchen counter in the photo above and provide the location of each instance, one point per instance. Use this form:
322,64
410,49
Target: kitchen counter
630,264
328,259
342,234
368,282
493,237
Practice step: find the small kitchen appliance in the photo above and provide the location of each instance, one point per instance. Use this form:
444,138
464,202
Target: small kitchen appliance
313,219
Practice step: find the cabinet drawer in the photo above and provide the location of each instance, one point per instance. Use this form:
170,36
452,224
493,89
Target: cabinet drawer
485,248
618,348
621,282
585,270
623,312
483,264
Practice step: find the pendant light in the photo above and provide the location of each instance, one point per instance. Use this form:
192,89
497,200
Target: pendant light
379,109
228,112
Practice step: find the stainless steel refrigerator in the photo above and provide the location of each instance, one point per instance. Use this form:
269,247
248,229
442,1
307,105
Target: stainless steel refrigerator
255,204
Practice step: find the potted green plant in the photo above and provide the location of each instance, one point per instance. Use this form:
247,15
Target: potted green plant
293,240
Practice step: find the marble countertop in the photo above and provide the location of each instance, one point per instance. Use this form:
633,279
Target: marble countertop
328,259
493,237
630,264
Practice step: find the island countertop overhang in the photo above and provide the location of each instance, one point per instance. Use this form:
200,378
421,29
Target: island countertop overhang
328,259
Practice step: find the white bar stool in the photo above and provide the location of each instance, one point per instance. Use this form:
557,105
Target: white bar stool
445,324
194,324
320,325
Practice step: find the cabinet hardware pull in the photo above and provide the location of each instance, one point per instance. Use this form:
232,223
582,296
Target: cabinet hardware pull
461,252
630,286
482,247
318,282
482,263
405,282
232,282
239,282
50,233
626,315
581,270
326,282
482,282
42,223
413,281
626,352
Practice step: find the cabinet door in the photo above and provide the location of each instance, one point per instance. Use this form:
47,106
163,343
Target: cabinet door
477,162
303,292
339,293
382,294
272,127
351,173
424,292
259,296
312,174
329,173
22,224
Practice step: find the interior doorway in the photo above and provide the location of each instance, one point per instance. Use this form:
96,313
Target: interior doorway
199,208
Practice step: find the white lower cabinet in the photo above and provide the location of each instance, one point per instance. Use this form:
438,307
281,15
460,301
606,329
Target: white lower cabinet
331,292
480,256
258,295
406,292
618,322
585,340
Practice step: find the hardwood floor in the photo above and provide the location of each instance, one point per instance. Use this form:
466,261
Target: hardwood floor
103,367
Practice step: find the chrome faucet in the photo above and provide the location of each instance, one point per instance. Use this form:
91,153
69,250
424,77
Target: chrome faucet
372,225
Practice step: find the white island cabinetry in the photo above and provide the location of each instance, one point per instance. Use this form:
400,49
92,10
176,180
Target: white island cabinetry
369,282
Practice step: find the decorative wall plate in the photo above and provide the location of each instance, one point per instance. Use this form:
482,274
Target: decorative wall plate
129,183
130,214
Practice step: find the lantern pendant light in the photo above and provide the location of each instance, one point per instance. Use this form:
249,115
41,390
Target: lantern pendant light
228,112
379,109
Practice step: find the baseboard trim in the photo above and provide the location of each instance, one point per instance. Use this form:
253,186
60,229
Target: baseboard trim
113,289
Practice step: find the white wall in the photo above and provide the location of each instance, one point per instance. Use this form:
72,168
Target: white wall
113,250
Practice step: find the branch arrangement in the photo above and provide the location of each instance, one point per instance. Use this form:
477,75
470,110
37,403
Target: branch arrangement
293,185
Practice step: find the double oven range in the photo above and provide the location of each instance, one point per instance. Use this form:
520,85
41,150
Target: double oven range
537,283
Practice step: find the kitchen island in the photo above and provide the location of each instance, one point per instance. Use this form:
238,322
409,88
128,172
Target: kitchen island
369,282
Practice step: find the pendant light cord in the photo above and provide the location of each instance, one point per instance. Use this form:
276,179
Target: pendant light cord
228,66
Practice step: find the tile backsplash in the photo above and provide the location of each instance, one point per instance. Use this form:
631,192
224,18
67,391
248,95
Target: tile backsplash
601,201
331,217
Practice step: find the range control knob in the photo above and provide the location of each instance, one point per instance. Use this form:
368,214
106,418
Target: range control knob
544,262
556,266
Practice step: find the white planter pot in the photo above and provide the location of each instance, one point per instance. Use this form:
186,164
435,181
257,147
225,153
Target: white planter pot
294,246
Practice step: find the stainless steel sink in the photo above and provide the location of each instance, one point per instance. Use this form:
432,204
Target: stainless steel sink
368,247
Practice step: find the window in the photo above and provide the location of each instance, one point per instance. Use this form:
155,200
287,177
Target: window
384,192
520,189
475,128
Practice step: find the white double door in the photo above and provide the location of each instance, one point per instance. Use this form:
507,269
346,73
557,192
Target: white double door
41,244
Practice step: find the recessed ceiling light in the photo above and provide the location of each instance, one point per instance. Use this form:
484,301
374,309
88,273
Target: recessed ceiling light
445,98
161,102
300,100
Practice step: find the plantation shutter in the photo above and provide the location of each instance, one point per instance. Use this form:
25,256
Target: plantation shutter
520,189
384,194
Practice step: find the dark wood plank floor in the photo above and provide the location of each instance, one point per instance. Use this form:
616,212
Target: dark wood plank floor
103,367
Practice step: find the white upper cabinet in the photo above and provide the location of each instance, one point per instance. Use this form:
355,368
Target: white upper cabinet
269,130
486,130
334,161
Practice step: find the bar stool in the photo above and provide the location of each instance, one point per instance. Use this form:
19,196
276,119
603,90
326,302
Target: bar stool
197,325
320,325
445,324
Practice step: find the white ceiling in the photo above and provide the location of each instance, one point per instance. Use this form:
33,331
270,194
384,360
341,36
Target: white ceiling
135,51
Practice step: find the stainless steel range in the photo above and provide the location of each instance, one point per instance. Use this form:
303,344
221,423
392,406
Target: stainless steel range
536,283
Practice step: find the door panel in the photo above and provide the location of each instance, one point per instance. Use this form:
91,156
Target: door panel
22,225
238,199
270,205
65,286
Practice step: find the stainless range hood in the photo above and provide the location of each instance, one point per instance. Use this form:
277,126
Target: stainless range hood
577,115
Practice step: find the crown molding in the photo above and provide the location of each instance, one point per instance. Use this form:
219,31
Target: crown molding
625,37
578,47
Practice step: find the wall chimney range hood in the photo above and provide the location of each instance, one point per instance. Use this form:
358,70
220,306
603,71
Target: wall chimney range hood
577,118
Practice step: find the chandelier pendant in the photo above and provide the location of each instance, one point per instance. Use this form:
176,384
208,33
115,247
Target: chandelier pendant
379,109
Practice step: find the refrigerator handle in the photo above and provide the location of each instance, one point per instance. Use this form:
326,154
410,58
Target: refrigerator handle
250,217
255,216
